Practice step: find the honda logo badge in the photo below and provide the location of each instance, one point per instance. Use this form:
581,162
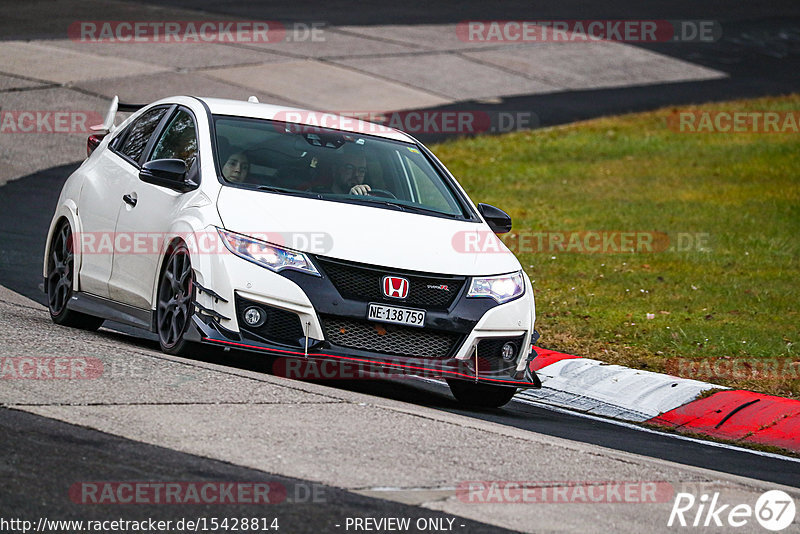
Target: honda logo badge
394,287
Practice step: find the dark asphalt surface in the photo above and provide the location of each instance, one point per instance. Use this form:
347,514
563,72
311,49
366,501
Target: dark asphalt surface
42,459
760,52
528,417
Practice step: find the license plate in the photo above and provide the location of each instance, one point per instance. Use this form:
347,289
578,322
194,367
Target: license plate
393,314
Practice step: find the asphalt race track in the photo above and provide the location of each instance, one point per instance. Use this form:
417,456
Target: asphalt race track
759,48
25,205
48,456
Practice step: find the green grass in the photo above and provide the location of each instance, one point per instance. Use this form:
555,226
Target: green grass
738,298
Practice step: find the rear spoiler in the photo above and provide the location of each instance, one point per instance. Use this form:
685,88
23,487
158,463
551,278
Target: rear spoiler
108,122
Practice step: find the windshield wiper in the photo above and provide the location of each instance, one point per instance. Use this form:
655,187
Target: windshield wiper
374,201
404,207
420,209
275,189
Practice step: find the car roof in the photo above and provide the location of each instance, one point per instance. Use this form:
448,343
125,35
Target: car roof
256,110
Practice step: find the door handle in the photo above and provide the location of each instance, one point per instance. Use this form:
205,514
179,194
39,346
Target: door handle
129,200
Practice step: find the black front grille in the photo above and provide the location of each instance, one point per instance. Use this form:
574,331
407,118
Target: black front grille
382,338
361,282
281,326
493,347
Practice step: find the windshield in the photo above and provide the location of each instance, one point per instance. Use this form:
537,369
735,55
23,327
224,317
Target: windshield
331,165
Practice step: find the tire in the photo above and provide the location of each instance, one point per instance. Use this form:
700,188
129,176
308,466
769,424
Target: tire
59,282
174,306
481,395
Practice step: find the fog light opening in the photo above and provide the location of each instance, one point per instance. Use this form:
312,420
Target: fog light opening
254,316
508,351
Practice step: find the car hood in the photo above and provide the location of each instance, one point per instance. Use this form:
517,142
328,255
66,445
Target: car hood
365,234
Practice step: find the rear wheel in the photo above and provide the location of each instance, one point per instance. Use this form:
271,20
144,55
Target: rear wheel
481,395
175,294
60,275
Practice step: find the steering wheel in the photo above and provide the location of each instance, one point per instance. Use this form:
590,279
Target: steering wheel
381,193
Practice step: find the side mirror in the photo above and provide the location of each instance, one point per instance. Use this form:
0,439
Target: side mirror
170,173
498,220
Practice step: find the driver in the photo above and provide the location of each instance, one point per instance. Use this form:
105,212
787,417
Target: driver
349,174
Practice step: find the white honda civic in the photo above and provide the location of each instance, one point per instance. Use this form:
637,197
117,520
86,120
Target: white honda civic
303,235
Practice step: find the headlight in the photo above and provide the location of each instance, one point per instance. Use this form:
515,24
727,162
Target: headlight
501,288
265,254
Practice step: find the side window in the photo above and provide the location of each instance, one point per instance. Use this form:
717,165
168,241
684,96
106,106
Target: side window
140,132
178,141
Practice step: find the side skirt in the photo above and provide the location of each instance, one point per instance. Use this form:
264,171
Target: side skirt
111,310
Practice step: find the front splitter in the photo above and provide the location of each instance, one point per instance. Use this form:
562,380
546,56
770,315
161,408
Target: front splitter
355,365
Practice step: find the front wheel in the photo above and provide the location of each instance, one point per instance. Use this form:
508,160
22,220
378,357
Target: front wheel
175,307
481,395
60,275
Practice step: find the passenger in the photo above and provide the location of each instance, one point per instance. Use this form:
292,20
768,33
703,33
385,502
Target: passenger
236,167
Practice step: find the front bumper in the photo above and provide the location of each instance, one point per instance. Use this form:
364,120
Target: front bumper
462,339
363,364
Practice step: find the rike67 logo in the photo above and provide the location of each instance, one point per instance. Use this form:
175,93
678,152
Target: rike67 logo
774,511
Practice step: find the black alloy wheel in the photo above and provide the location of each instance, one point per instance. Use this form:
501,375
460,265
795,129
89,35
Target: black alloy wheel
175,301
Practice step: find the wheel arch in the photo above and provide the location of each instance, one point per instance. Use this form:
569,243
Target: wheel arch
169,246
67,211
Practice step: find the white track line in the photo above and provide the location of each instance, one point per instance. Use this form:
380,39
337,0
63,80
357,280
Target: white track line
651,431
636,427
